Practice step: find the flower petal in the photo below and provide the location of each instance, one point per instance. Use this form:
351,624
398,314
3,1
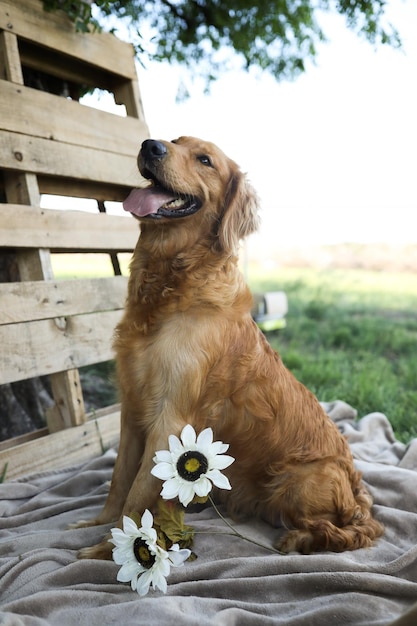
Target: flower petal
221,461
163,564
185,492
147,519
188,437
174,443
177,556
134,582
219,479
119,538
205,438
218,447
202,486
170,489
159,581
129,526
162,456
129,571
144,582
149,535
163,470
122,555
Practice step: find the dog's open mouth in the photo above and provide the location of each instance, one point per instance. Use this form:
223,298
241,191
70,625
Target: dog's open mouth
157,202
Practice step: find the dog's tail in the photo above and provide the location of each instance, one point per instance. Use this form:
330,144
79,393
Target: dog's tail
355,527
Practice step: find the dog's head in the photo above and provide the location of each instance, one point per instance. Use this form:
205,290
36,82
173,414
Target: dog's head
193,180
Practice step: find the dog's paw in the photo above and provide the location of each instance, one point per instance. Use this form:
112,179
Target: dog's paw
101,550
82,523
295,541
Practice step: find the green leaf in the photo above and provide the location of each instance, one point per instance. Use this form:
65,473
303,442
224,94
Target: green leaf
170,521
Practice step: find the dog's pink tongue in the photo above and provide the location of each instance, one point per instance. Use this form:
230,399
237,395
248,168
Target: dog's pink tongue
146,201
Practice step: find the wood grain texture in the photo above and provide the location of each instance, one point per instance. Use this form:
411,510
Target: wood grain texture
39,300
48,346
47,156
39,114
10,66
30,227
69,408
62,449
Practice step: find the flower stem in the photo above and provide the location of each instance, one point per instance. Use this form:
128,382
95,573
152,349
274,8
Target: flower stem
238,534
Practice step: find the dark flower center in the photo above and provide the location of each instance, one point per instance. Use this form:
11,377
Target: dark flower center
191,465
143,554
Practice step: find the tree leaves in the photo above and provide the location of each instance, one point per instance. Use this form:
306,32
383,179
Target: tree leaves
276,36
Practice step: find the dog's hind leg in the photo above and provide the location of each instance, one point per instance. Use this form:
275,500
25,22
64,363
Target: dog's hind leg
326,507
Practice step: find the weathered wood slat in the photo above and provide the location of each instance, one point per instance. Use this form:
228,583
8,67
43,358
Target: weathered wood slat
54,30
62,449
10,66
24,226
39,300
25,438
69,407
81,188
36,113
55,158
47,346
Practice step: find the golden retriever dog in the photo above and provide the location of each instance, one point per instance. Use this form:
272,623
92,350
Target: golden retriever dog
188,351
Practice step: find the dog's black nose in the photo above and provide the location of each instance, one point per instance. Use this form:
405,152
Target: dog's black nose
153,149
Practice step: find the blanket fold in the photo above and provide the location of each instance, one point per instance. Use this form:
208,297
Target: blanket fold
232,582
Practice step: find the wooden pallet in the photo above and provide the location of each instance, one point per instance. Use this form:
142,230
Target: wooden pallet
55,145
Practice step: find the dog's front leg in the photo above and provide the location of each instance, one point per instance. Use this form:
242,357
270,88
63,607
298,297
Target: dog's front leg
143,493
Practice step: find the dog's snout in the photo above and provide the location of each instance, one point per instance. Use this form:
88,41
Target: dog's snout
153,149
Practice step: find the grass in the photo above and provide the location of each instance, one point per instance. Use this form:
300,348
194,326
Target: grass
351,335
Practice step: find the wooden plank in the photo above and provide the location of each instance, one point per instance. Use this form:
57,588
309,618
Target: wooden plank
81,188
55,31
31,227
69,409
46,156
128,94
63,449
22,188
39,300
48,346
17,441
32,112
10,66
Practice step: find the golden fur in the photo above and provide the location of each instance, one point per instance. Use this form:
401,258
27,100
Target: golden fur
188,351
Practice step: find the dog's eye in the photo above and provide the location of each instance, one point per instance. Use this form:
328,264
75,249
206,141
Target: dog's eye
205,160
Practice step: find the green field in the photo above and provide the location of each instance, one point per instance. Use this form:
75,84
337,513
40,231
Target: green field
350,335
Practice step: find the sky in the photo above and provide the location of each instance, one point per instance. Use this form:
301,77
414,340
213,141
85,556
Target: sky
331,154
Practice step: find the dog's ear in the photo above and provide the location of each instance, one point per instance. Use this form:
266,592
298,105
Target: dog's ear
240,213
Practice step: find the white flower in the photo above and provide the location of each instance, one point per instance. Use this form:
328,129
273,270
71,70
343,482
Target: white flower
144,562
191,465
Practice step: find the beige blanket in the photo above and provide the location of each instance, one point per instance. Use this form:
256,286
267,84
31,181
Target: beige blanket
232,582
